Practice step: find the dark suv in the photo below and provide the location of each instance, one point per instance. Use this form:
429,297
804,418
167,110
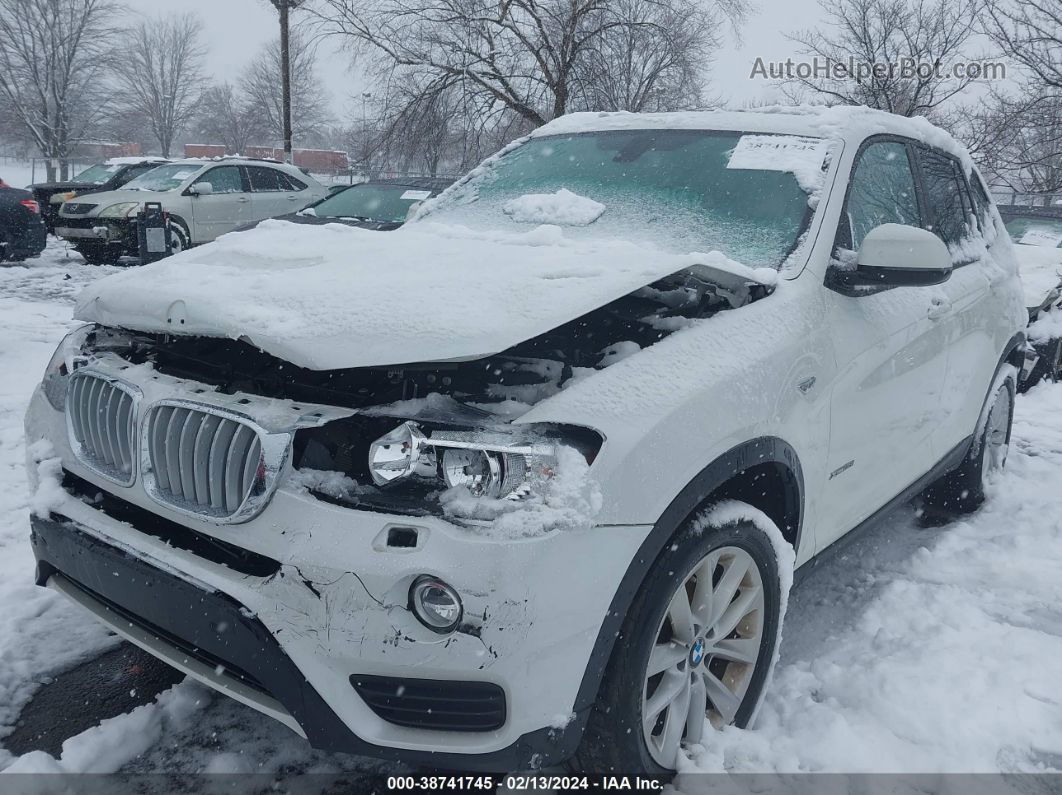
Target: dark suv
109,175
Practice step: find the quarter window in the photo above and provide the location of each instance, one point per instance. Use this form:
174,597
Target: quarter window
882,191
944,191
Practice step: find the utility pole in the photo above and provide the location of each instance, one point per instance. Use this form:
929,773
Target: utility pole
285,7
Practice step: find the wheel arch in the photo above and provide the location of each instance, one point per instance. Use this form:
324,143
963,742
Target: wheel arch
764,472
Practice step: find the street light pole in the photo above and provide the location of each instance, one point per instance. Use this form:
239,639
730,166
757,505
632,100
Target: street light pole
285,7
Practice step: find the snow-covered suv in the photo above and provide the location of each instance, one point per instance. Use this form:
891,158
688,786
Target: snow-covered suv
204,199
526,479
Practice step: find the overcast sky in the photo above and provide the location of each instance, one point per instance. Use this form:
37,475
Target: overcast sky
236,29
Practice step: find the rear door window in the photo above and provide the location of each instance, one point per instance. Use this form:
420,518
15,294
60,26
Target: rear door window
264,180
946,197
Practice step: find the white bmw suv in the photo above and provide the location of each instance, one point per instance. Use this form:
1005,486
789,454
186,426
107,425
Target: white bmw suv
204,199
526,480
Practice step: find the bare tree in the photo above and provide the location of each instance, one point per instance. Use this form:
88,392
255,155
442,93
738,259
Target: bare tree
226,117
54,56
309,101
1017,141
522,57
1029,31
162,73
931,34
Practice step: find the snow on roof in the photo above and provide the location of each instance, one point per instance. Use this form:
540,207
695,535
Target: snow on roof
847,123
134,160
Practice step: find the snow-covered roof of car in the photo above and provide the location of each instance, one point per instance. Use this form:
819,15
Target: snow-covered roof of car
136,160
850,124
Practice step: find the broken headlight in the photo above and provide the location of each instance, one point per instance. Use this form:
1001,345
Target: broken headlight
67,357
487,465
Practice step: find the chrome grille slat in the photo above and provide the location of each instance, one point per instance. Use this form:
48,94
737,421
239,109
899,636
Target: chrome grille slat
201,461
101,420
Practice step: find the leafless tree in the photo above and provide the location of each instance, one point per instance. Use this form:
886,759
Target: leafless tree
227,117
523,57
309,100
655,60
889,33
1017,141
162,73
1030,32
54,56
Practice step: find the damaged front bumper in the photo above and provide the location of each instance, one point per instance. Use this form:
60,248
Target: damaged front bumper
302,612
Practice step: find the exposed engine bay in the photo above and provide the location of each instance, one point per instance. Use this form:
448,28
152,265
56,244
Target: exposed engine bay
524,374
481,396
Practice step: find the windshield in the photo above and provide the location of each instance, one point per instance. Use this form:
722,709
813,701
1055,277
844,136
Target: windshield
97,174
385,203
164,178
1034,231
682,190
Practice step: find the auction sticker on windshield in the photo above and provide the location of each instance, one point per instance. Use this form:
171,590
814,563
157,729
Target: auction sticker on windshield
776,152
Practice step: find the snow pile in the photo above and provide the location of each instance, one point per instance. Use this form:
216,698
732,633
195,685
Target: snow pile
563,207
1047,327
569,499
330,483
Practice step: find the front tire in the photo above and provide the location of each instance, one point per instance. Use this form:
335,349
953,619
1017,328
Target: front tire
962,490
694,653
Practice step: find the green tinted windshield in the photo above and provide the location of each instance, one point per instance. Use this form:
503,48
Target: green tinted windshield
682,190
164,178
384,203
97,174
1033,231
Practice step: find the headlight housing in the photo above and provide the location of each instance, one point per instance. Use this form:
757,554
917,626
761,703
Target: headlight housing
120,210
489,465
67,358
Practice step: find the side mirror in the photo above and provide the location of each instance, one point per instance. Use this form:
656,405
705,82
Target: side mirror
201,189
895,255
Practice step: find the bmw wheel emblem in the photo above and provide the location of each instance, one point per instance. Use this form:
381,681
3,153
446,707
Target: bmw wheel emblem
697,653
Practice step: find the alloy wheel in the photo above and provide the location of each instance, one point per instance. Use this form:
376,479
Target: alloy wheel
705,654
996,432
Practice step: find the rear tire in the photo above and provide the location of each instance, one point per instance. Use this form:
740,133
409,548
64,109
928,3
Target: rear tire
962,490
658,651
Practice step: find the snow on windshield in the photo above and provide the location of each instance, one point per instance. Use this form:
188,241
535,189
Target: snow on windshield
680,190
563,207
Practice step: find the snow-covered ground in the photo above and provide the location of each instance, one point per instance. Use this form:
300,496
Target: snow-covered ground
911,650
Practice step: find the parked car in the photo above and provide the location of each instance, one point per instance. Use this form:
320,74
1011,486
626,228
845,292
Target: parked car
381,204
1038,234
204,199
22,233
110,175
525,480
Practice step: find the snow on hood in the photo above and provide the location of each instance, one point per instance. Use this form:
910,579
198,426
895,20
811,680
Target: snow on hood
334,296
1041,271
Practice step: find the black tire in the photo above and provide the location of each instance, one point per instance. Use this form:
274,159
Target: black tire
1047,366
962,490
613,741
179,238
98,255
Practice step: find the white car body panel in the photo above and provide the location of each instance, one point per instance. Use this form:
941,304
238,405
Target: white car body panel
870,393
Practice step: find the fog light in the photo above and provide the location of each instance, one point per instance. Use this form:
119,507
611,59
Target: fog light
435,604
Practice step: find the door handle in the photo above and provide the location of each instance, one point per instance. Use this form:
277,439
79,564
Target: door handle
938,308
293,198
243,200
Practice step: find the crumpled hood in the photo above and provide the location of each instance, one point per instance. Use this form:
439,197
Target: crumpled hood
334,296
